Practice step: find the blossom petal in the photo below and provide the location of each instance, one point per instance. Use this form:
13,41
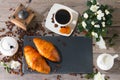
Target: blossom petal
107,12
103,24
95,34
85,15
94,8
97,26
93,23
99,76
14,64
84,24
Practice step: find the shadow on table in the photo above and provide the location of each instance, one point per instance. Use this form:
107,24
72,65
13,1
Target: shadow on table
116,67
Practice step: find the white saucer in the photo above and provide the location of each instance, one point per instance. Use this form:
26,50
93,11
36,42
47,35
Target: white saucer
49,25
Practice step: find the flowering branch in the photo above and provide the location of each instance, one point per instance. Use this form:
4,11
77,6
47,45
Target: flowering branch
95,20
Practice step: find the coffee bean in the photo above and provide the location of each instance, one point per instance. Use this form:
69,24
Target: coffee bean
55,25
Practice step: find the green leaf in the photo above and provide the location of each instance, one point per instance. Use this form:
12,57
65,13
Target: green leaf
104,32
111,42
80,28
90,76
89,12
4,64
115,35
8,69
89,3
98,39
106,6
102,7
111,10
109,16
109,22
106,79
94,2
88,34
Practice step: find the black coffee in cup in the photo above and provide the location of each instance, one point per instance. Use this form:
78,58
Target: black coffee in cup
62,16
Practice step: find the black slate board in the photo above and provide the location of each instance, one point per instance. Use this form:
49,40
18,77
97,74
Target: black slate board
76,54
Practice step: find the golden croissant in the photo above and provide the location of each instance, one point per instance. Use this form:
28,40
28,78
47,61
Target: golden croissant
46,49
35,61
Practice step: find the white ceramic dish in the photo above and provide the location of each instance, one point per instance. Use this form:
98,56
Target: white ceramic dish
49,25
106,61
8,46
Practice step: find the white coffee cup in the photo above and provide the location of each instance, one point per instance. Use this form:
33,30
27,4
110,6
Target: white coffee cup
106,61
63,17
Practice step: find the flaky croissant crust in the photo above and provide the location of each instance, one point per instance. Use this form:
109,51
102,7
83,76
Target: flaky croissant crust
35,61
46,49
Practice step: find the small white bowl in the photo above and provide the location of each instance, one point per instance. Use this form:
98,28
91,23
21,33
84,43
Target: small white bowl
8,46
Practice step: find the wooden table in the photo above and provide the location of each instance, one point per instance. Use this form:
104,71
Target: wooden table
41,8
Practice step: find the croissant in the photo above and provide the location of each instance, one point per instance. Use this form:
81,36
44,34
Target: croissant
35,61
46,49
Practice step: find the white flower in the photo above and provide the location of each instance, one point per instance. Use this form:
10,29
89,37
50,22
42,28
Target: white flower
107,12
99,76
95,34
97,26
94,8
104,18
98,3
103,24
85,15
91,1
95,13
101,43
98,17
100,14
84,24
14,64
93,23
1,63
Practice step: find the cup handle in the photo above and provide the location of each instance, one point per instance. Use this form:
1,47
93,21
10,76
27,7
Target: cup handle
115,56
